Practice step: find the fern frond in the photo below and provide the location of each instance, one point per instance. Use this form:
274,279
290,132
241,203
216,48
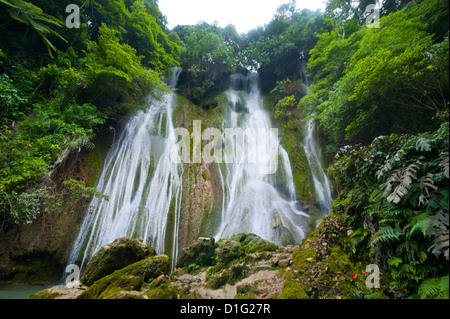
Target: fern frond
387,234
408,175
423,144
392,180
440,231
444,164
435,288
426,182
420,222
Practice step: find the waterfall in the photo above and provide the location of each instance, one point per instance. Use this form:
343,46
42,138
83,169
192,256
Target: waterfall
143,185
320,178
254,202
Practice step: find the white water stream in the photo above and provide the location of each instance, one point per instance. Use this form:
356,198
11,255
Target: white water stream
142,185
255,202
320,178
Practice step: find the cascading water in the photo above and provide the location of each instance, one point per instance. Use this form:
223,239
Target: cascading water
143,185
320,178
254,202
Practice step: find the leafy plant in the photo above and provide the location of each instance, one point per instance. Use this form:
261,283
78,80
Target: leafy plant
34,17
435,288
394,196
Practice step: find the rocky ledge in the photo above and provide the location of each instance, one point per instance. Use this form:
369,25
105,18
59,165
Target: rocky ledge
244,266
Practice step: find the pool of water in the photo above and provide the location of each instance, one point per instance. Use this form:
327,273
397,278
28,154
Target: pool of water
20,291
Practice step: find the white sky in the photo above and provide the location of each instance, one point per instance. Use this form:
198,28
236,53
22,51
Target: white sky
244,14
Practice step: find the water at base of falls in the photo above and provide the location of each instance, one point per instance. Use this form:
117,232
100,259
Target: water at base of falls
253,202
142,184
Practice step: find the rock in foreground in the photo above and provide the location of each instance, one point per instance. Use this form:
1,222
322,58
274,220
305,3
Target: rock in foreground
117,255
244,266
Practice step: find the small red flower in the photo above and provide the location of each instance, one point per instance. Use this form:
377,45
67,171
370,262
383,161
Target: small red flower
354,276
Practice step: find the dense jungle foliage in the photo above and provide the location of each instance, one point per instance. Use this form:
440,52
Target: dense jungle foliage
380,94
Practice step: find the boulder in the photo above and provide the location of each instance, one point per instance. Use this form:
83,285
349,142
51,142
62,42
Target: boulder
59,292
200,253
117,255
131,278
253,243
228,250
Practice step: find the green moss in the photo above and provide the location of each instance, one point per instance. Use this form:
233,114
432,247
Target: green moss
244,292
164,291
94,166
291,135
291,125
301,173
120,253
129,278
170,226
218,280
44,294
200,253
228,250
253,243
293,289
215,116
111,285
302,258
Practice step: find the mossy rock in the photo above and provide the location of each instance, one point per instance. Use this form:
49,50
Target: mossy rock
44,294
221,279
253,243
117,255
126,295
200,253
285,236
228,250
239,246
323,267
130,278
164,291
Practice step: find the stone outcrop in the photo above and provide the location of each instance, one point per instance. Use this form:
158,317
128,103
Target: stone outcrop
244,266
117,255
132,278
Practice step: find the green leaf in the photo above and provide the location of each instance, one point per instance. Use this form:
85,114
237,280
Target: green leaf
395,261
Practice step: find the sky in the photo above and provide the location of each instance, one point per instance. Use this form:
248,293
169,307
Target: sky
243,14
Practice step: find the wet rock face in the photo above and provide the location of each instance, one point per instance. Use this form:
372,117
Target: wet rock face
117,255
238,107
